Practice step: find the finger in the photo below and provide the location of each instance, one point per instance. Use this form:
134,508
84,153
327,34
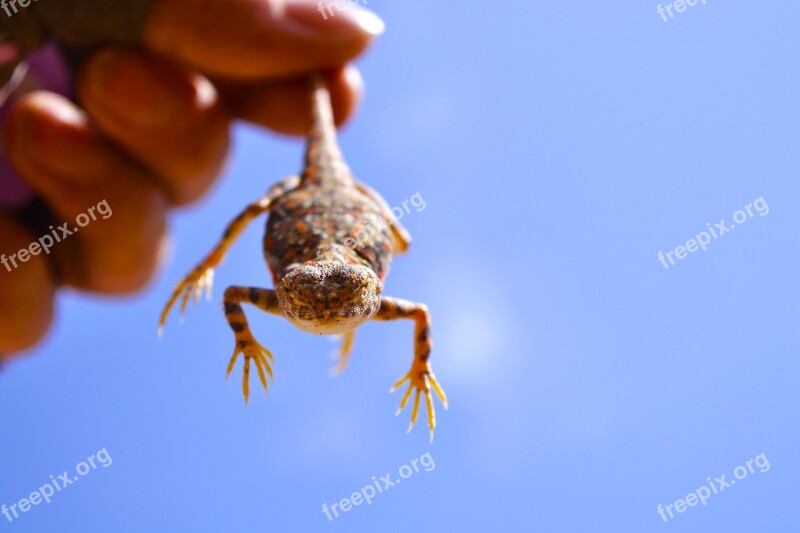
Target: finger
259,38
283,106
167,118
74,170
26,288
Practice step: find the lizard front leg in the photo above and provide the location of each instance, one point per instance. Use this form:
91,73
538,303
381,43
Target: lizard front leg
420,376
202,276
246,344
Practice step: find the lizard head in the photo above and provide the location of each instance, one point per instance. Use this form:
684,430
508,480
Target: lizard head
329,297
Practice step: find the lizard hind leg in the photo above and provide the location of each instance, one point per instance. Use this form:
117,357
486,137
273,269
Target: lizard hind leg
344,352
246,344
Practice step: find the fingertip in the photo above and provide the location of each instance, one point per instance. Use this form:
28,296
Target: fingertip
142,91
168,118
45,132
263,38
347,90
26,289
342,19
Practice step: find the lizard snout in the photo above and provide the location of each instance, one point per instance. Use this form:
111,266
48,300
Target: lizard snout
329,297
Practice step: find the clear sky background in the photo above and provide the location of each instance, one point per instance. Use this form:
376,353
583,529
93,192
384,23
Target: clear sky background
559,146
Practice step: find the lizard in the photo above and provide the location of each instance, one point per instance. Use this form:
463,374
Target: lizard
325,282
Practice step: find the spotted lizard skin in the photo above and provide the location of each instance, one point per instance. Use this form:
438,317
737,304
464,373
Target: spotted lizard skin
329,242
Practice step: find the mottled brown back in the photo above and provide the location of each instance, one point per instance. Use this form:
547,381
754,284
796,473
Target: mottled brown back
333,221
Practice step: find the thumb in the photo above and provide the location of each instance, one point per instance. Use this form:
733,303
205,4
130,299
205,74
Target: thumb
247,39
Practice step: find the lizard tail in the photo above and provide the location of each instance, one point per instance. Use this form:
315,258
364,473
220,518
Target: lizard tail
324,161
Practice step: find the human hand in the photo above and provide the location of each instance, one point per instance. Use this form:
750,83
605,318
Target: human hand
152,132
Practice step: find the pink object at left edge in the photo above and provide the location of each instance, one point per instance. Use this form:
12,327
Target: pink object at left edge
8,53
47,69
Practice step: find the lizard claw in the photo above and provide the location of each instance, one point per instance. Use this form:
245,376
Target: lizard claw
192,286
421,382
262,357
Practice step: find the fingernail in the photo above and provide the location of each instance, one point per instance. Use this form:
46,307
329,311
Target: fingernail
354,79
369,21
334,15
134,90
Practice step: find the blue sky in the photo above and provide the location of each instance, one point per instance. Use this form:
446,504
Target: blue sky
559,146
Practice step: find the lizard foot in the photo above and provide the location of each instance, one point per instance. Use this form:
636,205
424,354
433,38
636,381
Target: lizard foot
422,381
251,349
193,285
